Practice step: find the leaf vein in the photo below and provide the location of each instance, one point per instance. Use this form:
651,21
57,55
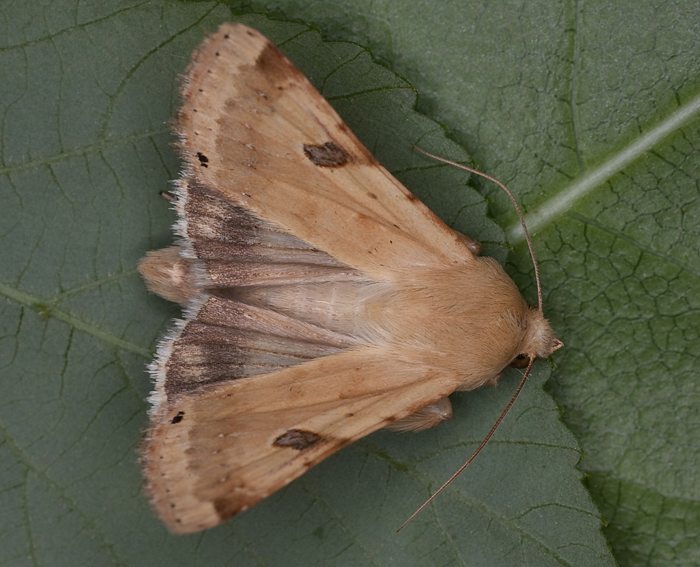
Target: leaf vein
580,187
44,308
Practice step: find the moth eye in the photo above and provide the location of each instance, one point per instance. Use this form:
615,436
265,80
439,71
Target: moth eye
520,361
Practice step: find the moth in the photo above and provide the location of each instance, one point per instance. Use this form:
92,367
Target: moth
322,300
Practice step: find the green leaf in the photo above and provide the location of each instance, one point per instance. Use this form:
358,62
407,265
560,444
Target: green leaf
78,327
541,95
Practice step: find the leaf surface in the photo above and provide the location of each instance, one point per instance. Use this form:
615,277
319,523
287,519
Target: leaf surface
85,151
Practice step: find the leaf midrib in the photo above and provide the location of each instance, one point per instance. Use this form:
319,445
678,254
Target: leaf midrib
556,206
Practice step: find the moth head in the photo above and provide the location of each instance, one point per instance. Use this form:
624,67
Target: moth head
539,340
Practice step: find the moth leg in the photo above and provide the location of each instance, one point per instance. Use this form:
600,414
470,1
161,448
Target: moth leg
425,418
169,275
473,245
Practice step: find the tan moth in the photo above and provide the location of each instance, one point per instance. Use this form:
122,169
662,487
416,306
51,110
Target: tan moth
322,301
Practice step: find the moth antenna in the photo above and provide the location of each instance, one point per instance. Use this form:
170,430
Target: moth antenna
484,442
516,206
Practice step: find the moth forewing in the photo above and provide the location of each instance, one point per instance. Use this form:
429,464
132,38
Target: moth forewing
218,451
234,138
323,300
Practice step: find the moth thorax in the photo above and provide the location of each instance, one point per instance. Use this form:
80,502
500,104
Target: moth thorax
539,338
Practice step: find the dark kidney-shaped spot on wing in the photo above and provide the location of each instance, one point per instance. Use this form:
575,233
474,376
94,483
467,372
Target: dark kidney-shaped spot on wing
329,154
297,439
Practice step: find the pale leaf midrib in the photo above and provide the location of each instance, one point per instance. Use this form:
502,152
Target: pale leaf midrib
556,206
